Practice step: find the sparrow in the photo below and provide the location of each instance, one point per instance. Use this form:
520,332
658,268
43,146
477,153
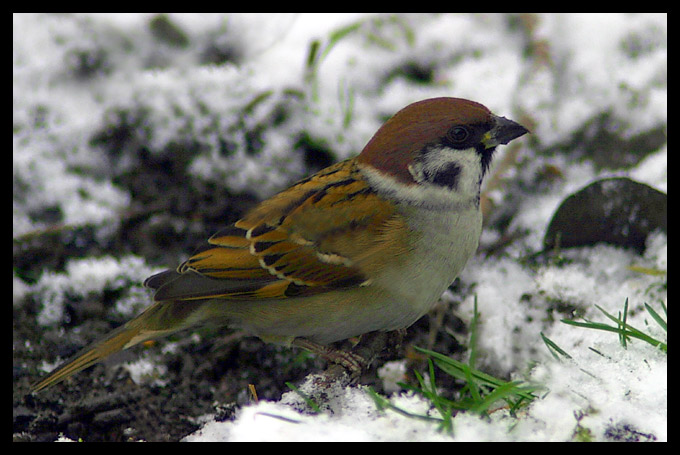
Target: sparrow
368,244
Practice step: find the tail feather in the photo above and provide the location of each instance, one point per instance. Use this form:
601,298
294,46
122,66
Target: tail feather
161,319
114,342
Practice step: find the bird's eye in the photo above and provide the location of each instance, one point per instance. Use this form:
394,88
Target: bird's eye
458,134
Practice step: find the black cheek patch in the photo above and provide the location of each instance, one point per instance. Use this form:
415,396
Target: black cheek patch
446,176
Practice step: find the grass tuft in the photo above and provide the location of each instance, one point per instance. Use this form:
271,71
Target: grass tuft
625,330
480,394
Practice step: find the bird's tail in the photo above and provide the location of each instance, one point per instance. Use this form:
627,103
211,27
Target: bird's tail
162,318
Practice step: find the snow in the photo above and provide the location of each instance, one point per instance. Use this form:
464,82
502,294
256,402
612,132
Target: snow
614,63
349,415
90,275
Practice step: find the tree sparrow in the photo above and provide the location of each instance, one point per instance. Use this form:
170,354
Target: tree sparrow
368,244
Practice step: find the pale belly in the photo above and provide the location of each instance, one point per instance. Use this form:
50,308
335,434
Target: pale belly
402,294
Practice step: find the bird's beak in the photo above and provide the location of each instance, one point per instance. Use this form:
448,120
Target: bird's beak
503,132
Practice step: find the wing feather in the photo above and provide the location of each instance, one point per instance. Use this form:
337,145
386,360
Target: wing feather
322,234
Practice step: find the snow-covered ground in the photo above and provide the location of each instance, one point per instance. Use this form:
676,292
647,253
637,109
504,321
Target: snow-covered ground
555,73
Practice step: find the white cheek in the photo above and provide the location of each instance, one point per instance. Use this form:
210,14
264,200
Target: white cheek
463,193
470,164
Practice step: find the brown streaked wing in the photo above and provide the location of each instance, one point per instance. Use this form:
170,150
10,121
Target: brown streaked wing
315,237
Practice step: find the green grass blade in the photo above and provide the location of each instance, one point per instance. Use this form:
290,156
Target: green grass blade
621,323
554,348
311,403
383,403
473,335
462,371
500,393
659,320
623,329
